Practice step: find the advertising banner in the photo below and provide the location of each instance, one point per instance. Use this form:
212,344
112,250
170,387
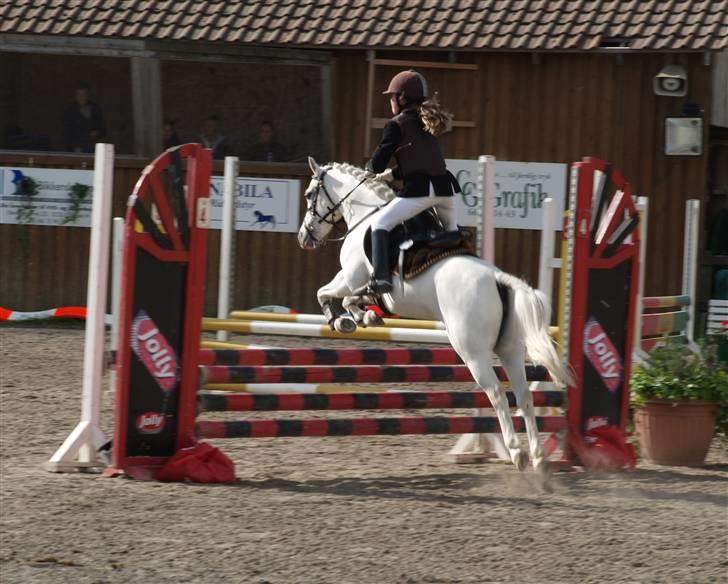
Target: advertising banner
46,196
261,204
521,188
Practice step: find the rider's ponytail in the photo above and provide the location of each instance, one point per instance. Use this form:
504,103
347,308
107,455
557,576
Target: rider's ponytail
436,119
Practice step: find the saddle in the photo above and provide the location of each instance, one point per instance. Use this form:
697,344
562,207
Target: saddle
421,242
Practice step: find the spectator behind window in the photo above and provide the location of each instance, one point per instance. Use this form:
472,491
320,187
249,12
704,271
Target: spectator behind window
169,135
213,139
83,122
267,149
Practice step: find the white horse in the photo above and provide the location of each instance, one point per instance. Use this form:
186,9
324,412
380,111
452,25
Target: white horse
461,290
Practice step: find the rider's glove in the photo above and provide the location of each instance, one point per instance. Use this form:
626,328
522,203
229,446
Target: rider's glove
386,176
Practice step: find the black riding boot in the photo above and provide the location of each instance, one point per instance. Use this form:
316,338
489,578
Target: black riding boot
381,282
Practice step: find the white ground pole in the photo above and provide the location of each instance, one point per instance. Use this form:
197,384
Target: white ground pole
80,448
475,447
643,207
117,252
227,241
690,262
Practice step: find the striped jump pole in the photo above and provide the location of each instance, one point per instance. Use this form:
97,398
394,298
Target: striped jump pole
315,330
300,388
320,319
317,356
366,427
206,344
366,401
393,374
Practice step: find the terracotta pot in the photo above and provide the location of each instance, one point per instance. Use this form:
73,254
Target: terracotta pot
675,433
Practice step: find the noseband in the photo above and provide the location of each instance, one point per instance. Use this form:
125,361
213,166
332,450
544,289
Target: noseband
327,217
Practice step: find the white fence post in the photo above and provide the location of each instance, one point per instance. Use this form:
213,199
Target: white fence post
80,449
227,243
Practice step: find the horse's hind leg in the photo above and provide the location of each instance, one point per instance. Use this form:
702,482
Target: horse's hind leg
513,360
485,377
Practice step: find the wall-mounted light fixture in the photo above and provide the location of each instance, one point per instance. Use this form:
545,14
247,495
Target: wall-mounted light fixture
684,133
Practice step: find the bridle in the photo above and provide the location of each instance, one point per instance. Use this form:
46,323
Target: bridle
327,217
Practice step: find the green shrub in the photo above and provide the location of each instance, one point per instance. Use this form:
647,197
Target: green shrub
676,372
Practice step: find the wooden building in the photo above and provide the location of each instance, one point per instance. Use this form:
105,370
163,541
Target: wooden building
549,81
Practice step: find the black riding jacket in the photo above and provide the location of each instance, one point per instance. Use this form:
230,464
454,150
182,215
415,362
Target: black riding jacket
420,162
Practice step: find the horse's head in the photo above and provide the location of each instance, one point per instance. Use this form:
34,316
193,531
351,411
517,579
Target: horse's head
322,208
338,192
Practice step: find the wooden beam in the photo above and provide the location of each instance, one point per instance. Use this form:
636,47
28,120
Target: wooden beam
380,122
327,111
146,91
372,60
426,64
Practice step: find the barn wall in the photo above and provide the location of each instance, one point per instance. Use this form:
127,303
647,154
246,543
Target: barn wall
565,107
51,269
560,109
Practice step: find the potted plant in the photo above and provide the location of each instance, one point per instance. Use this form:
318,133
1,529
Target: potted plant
680,396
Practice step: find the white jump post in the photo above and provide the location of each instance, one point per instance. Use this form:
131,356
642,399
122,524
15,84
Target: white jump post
689,271
117,252
227,236
80,449
643,207
547,262
690,262
486,179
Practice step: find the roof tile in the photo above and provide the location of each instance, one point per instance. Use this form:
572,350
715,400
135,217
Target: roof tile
438,24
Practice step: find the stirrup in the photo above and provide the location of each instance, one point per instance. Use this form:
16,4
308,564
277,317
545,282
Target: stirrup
379,286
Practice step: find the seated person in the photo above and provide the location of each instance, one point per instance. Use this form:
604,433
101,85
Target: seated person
267,149
169,135
212,138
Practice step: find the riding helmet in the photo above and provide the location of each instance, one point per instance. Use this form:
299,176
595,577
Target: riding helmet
410,84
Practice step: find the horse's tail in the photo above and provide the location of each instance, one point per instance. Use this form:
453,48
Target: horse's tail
534,314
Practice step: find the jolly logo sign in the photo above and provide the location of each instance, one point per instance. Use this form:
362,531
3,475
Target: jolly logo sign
603,355
154,351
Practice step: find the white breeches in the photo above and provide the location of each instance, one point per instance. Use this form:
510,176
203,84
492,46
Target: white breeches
403,208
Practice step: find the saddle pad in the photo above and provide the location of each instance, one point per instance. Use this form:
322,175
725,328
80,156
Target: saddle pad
420,258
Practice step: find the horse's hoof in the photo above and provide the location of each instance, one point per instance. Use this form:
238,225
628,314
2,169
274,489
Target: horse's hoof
371,318
520,460
543,474
345,325
541,466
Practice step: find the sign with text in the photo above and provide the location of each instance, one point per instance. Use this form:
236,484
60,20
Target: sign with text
521,188
46,196
261,204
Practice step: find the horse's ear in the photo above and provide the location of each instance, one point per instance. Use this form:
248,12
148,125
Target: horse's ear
315,168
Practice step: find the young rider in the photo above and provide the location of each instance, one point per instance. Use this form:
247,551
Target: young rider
411,137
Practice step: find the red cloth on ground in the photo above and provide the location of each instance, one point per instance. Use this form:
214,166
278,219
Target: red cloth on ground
609,449
201,463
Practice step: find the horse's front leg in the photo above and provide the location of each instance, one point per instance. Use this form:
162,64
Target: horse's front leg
356,306
335,290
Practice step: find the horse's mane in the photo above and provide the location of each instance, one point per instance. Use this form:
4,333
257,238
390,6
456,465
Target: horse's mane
378,187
